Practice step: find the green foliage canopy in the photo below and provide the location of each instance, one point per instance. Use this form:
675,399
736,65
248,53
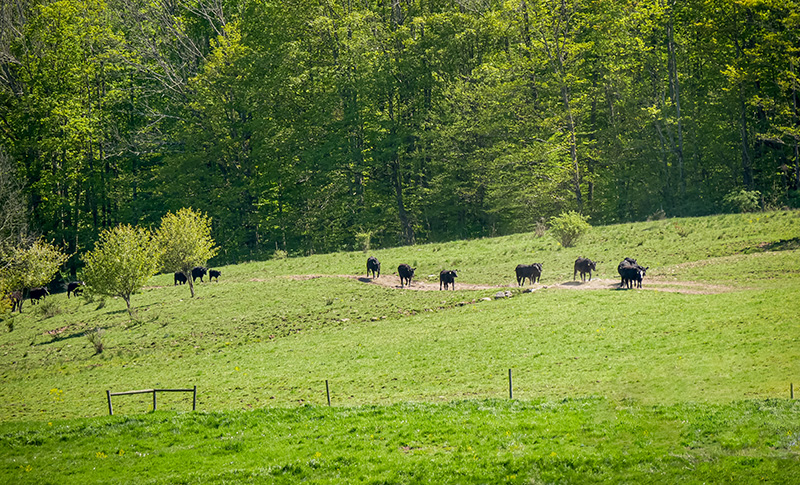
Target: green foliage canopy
123,260
568,227
184,238
30,267
297,126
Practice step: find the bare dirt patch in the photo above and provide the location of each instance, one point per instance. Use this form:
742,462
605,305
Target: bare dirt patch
653,284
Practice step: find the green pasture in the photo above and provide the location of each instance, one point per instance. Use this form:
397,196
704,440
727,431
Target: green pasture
714,332
586,440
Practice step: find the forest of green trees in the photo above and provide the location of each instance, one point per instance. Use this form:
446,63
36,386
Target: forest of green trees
306,125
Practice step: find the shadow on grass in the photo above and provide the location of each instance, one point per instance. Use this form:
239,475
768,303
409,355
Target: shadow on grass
61,337
781,245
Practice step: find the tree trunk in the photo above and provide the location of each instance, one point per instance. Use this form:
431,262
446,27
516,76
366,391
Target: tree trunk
573,146
127,299
796,107
666,189
190,280
672,67
747,163
405,224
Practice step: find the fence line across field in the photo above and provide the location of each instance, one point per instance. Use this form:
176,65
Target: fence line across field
327,393
154,392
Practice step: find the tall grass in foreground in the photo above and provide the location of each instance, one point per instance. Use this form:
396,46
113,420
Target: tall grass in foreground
590,440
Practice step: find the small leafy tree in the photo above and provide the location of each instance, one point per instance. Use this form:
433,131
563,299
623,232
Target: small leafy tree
743,200
30,267
5,302
568,227
185,241
123,260
363,240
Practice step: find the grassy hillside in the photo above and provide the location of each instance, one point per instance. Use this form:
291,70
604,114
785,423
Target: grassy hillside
716,323
722,325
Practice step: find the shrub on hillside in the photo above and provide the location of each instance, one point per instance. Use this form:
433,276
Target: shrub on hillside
568,227
540,229
95,336
743,200
363,240
49,308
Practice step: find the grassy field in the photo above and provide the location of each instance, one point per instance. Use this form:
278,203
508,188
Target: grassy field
702,358
588,440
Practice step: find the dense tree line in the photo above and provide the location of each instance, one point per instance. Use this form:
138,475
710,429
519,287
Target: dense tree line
299,125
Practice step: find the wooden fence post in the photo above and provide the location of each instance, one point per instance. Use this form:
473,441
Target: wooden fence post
155,392
791,391
510,386
328,392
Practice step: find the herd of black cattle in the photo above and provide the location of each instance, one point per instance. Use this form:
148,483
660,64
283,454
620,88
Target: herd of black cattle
76,287
197,272
629,270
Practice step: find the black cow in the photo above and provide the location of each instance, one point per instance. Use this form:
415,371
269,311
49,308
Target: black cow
75,288
373,265
16,301
36,294
531,271
406,272
180,278
15,297
625,262
584,265
199,272
213,273
631,273
447,278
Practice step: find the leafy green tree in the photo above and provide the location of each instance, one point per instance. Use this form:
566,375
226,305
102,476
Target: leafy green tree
124,258
184,239
13,209
568,227
63,89
742,200
30,267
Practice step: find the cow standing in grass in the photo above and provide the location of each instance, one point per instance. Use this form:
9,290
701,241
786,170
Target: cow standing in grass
36,294
531,271
213,273
15,297
75,288
179,278
199,272
374,266
406,272
631,273
447,278
583,265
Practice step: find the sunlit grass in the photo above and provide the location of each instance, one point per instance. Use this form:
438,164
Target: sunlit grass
491,441
686,379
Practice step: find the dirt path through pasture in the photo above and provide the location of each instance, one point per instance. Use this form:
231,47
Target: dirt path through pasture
654,284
